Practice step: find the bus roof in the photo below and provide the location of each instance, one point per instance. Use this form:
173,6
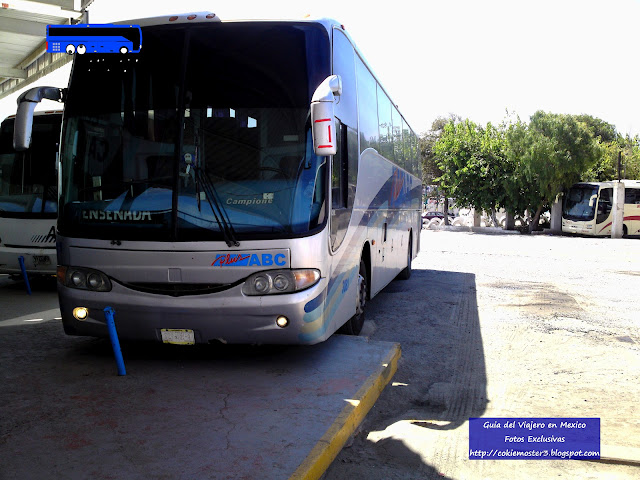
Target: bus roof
611,183
208,17
192,17
204,17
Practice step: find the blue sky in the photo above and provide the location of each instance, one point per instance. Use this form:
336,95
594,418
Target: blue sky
474,58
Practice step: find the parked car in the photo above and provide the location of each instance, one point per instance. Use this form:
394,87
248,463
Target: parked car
427,216
440,215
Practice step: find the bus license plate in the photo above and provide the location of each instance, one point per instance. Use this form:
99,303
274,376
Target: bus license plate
41,260
178,336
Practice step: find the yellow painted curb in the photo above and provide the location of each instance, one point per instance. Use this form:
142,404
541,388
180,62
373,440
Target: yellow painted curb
328,447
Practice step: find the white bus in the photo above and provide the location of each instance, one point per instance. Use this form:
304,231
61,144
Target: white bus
29,196
587,208
196,203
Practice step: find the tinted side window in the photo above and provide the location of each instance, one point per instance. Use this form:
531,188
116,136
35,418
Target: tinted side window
406,147
385,125
340,207
632,196
414,155
344,65
339,164
397,139
367,107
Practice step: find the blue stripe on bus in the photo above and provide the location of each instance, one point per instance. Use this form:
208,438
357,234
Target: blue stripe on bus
316,302
325,313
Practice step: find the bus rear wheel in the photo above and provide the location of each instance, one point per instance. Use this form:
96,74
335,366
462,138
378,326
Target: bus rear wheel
355,323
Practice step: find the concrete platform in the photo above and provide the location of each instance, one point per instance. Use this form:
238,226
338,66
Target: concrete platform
180,412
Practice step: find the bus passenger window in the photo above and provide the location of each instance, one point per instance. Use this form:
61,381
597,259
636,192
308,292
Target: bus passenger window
339,170
632,196
340,214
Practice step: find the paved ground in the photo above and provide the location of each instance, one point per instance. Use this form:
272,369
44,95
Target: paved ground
224,412
490,325
504,326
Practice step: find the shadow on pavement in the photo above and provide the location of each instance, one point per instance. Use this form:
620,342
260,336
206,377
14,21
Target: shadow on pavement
440,383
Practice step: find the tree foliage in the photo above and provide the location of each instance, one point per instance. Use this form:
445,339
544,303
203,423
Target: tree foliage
430,170
625,148
554,151
519,166
473,165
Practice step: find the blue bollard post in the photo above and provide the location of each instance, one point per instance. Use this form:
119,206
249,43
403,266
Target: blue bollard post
115,343
24,274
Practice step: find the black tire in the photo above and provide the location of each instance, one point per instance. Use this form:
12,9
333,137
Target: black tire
406,273
355,323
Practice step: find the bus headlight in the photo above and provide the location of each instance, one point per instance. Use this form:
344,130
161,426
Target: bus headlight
80,313
83,279
261,284
280,281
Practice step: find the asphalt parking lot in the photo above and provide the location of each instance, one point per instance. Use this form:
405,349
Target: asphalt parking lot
489,325
505,325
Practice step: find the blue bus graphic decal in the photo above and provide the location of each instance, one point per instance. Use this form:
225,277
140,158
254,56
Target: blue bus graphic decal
94,38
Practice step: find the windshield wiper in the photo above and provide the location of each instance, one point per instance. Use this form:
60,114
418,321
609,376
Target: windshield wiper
219,212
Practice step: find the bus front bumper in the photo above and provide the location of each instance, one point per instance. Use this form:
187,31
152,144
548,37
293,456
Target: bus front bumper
36,261
227,317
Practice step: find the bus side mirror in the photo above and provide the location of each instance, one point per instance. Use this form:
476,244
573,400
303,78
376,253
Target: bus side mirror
24,116
323,119
592,200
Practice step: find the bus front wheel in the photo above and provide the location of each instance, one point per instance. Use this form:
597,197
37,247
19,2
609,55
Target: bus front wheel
123,50
355,323
71,49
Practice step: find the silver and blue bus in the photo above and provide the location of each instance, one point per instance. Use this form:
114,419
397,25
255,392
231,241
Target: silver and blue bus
94,38
29,197
235,182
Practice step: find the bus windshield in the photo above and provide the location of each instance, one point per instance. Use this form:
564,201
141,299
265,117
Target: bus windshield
29,180
578,204
206,126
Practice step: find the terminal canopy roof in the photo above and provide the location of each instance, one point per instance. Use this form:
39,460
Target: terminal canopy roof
23,57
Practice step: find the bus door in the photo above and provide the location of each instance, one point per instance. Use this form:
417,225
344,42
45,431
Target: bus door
605,204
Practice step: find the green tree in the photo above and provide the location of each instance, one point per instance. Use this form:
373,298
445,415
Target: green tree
601,130
553,152
630,148
606,169
430,170
474,165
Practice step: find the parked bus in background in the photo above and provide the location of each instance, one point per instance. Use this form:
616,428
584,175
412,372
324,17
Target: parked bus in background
29,196
241,182
587,208
93,38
